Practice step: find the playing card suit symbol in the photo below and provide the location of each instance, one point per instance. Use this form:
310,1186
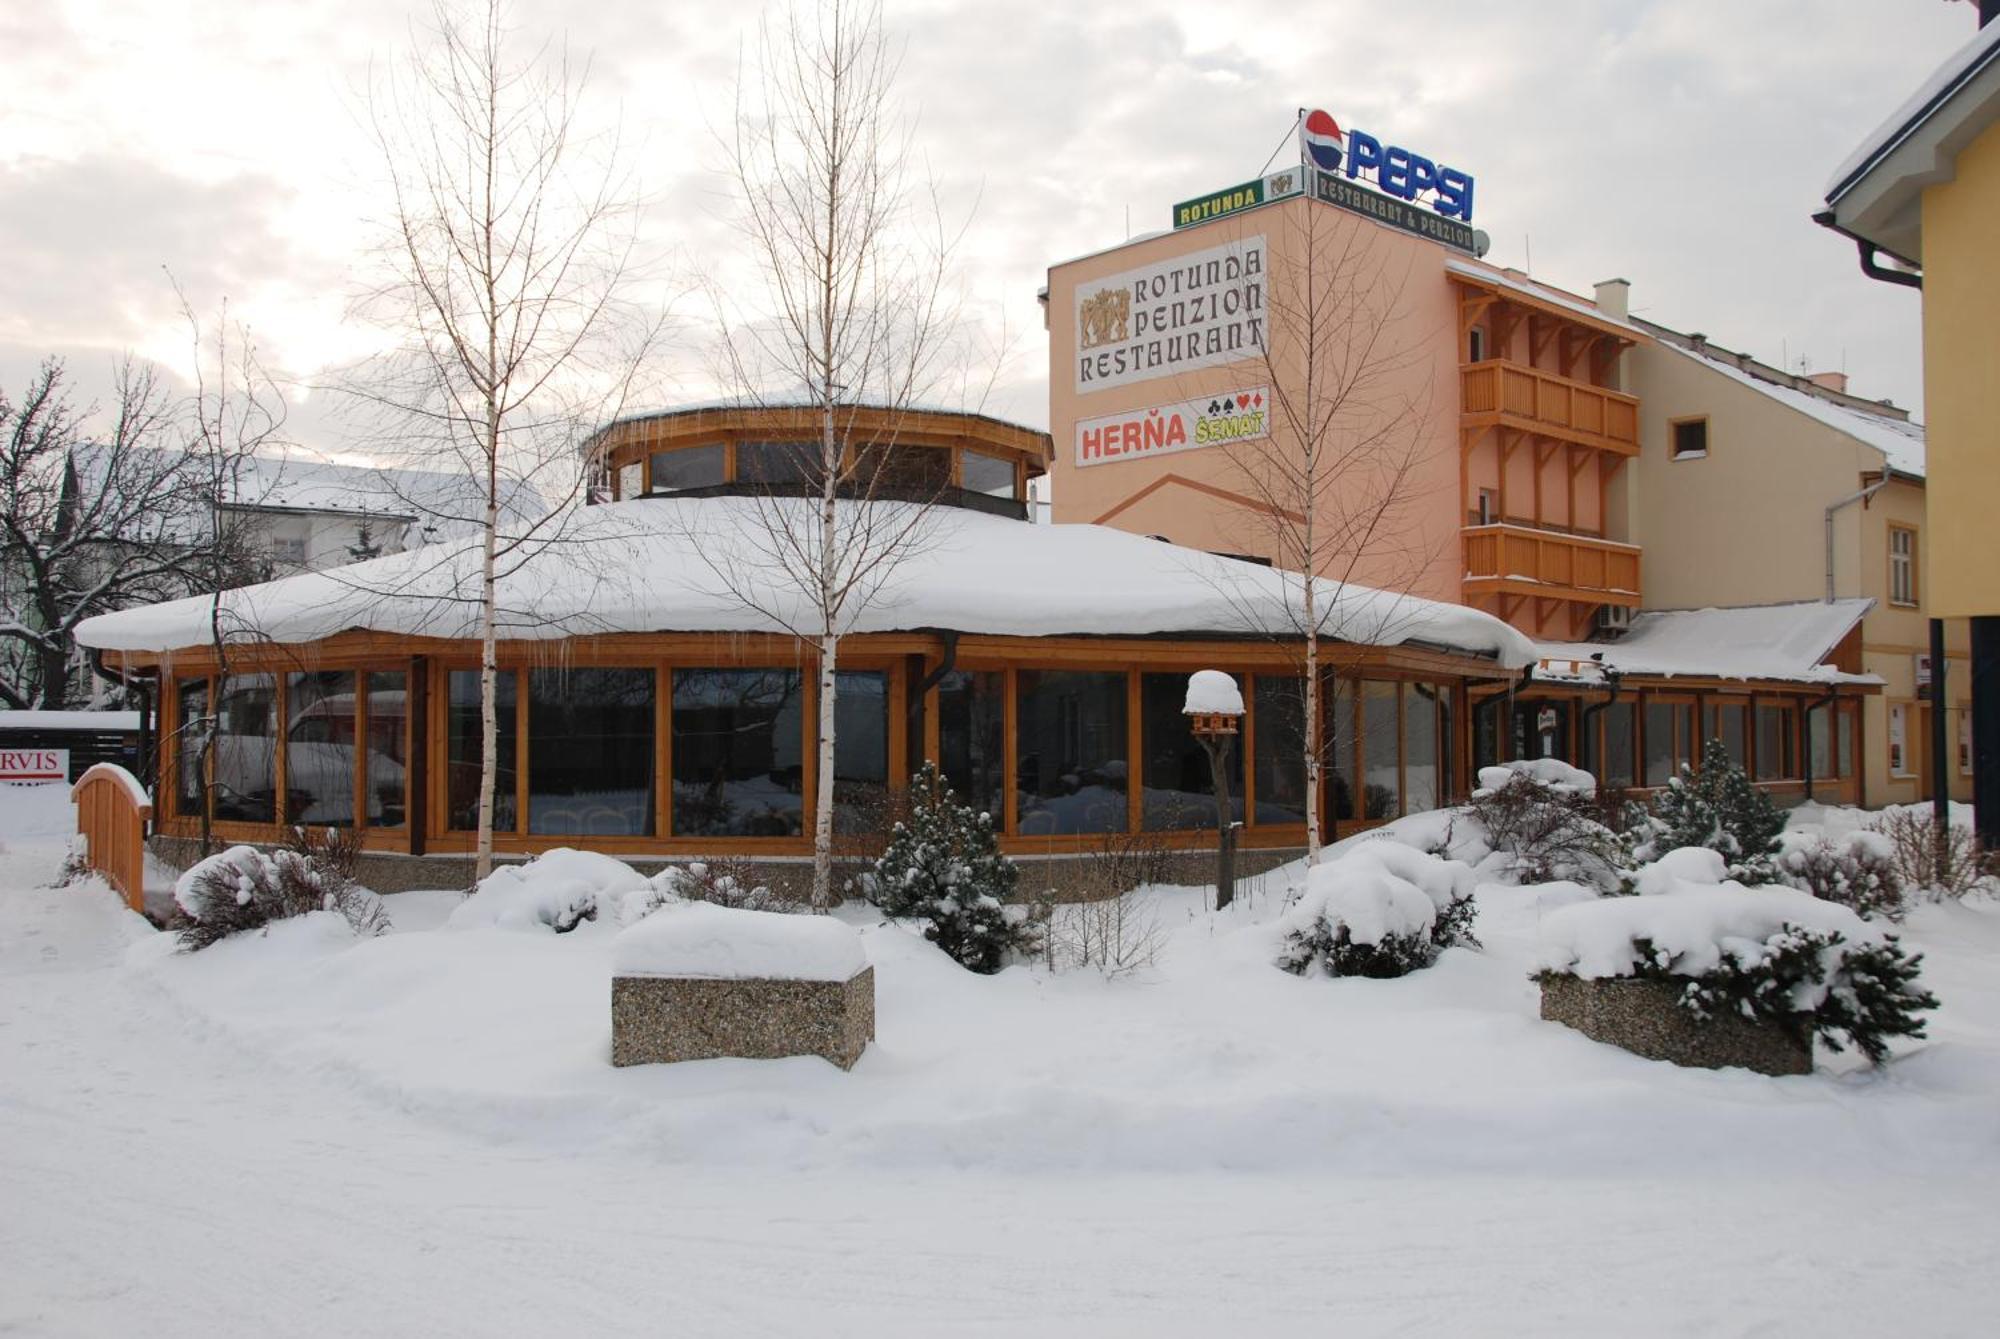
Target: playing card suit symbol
1258,399
1243,402
1214,407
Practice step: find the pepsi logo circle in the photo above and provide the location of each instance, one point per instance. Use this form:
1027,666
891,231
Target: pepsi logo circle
1321,135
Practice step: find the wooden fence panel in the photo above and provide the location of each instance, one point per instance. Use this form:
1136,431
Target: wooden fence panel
112,810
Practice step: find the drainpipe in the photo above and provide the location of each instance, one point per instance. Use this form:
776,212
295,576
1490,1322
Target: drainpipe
1910,278
1591,710
1842,505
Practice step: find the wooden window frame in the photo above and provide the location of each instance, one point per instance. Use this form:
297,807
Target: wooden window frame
1915,599
1674,426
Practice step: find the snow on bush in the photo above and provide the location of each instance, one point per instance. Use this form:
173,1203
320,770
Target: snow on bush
944,865
1378,909
557,890
1858,870
1542,815
1551,773
1718,808
1953,867
712,942
1773,955
243,888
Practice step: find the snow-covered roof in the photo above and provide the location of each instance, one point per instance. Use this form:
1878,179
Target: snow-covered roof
666,564
1981,50
753,403
1555,297
1876,194
119,721
304,484
1785,642
1900,441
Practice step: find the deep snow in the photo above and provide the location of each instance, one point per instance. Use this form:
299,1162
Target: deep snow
309,1134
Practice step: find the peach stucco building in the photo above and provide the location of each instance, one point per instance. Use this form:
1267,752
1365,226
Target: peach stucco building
1510,446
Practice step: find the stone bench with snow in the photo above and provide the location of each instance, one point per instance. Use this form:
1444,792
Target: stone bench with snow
701,982
1619,970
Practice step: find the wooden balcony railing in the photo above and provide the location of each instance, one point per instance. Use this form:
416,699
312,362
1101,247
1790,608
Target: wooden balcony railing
1497,391
1515,560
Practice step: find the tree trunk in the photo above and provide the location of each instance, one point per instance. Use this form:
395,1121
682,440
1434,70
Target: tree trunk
489,679
1314,744
829,652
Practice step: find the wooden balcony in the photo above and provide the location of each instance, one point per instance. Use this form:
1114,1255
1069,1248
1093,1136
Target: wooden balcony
1507,564
1504,394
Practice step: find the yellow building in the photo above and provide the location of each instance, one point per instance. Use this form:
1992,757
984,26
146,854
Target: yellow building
1924,190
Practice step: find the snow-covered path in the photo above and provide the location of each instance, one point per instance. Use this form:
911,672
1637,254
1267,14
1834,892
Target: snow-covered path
159,1176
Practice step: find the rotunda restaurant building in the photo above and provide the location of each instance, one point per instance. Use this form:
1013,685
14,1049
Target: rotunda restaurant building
649,709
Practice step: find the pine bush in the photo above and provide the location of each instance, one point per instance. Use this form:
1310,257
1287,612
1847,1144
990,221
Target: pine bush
1717,807
943,865
1811,982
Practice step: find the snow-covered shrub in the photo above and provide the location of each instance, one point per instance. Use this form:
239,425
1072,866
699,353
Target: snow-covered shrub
1857,870
1545,822
1774,955
557,890
1718,808
337,849
1378,909
724,883
1953,869
243,888
944,865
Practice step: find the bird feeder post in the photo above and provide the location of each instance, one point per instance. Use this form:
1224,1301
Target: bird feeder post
1214,709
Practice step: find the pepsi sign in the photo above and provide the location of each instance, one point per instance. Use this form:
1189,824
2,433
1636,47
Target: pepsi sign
1392,170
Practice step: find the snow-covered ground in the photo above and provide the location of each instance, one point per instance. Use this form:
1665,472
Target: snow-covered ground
421,1134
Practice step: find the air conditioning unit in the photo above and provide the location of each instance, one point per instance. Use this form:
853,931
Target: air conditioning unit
1613,620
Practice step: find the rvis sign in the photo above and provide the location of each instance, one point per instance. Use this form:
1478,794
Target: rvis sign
1199,310
29,765
1210,420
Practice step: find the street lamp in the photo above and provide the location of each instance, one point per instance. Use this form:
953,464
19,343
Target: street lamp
1214,706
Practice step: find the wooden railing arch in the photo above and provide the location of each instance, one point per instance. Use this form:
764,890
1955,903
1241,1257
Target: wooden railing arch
112,810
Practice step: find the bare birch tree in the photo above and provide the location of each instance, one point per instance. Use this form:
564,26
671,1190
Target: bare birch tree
857,328
1335,491
509,252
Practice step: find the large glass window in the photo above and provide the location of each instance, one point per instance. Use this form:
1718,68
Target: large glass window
386,776
1422,783
902,469
1382,782
860,751
1339,702
1616,768
590,752
246,749
1777,745
1541,729
689,467
1844,744
464,757
972,737
1730,724
1072,767
192,702
1280,738
991,475
1819,760
1662,755
777,462
738,742
321,715
1179,790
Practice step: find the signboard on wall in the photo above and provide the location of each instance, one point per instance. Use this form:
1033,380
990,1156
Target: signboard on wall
34,765
1200,310
1344,194
1236,199
1209,420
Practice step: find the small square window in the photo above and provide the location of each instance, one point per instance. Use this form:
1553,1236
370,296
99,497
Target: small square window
288,552
1690,438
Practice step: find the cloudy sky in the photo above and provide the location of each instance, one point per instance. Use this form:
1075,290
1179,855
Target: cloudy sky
1681,144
